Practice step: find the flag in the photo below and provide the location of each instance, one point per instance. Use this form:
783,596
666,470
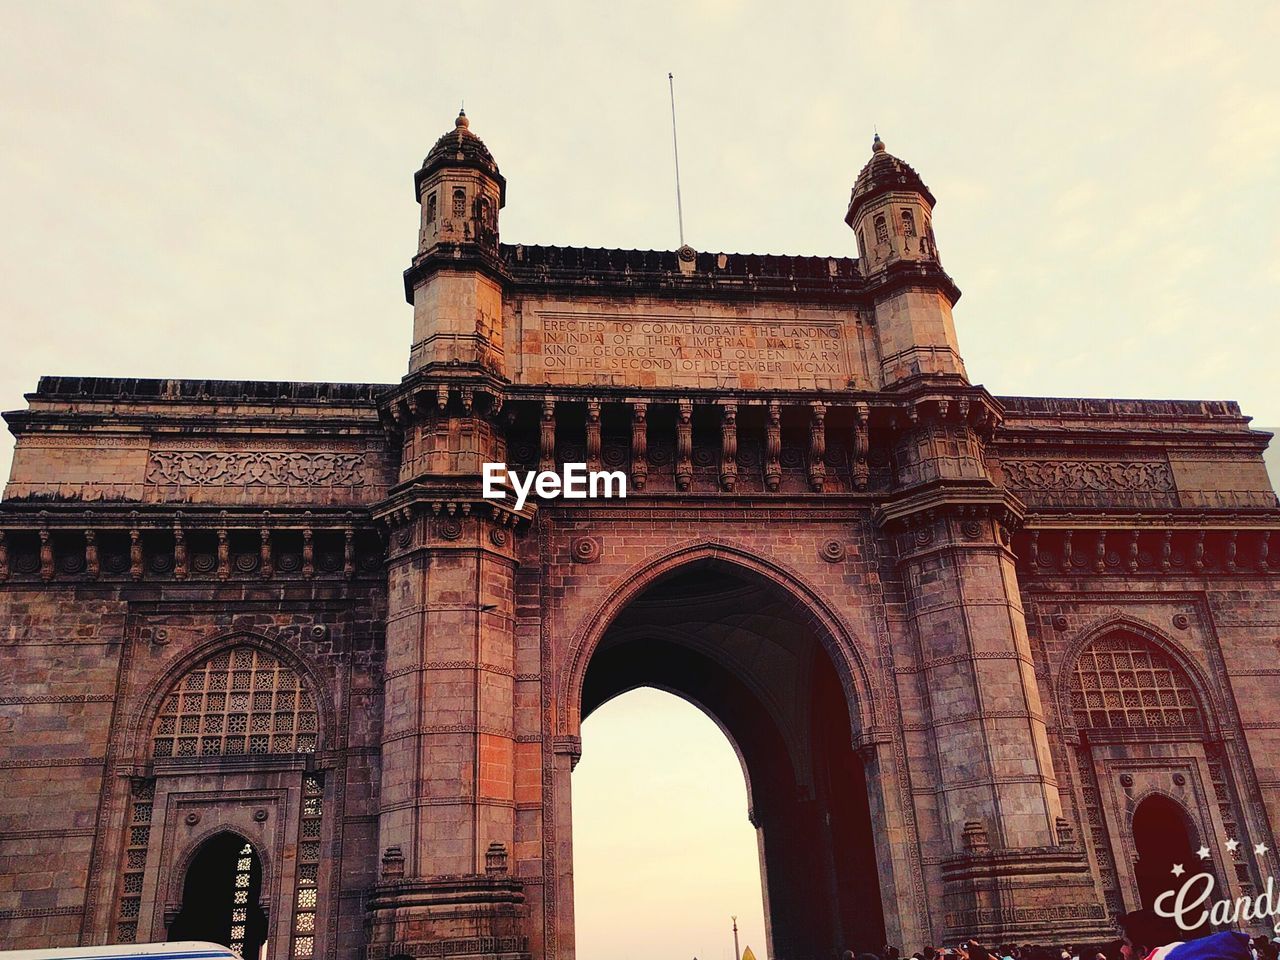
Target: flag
1228,945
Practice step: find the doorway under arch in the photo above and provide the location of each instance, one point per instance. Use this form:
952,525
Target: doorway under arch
1162,837
220,897
749,654
652,757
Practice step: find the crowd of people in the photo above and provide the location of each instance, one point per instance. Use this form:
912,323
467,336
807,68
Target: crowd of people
1143,936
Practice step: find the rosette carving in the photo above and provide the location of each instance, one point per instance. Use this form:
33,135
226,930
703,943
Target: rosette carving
585,549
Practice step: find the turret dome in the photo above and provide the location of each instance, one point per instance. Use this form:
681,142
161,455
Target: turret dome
460,148
884,173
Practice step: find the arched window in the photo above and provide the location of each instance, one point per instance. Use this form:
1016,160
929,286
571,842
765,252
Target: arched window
482,210
1123,681
239,701
862,245
459,202
431,208
882,229
908,223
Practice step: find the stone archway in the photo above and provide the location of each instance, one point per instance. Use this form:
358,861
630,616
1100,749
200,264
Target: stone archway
220,896
749,653
1163,836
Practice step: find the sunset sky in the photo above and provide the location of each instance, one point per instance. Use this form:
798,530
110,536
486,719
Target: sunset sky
226,190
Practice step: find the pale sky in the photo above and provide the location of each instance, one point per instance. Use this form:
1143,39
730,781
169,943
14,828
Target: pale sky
225,190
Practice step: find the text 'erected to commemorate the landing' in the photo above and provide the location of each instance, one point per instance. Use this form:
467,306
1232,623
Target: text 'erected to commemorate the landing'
670,350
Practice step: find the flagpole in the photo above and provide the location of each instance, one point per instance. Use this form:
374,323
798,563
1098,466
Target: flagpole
671,84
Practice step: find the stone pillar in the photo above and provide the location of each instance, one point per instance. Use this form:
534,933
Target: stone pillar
447,798
994,789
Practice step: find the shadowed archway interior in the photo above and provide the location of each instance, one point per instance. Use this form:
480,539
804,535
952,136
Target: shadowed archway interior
745,651
1162,838
220,897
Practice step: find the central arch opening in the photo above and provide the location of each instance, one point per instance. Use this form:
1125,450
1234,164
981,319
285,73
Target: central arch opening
753,657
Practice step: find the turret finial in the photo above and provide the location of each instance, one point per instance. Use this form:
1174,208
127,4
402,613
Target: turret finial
462,120
877,145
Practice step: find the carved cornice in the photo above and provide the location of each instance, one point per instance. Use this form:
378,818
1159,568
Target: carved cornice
969,500
1177,544
86,542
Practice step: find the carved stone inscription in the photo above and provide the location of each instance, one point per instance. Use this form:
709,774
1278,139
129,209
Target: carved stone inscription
669,350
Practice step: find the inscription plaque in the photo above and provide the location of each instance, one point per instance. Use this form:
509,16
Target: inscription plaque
690,351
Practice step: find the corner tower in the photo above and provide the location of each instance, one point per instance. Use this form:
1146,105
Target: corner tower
891,212
446,821
454,282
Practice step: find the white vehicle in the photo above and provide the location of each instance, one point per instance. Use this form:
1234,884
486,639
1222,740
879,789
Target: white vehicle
185,950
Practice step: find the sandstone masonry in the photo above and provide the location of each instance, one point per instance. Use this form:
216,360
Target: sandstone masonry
965,644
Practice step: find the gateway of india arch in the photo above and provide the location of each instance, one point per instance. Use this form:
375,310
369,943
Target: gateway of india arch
272,670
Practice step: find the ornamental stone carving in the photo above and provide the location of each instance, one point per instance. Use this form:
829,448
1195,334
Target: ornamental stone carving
274,469
1088,475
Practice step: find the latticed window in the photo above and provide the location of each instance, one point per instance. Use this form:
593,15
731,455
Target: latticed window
459,202
1125,682
306,897
135,861
882,229
241,701
240,901
908,223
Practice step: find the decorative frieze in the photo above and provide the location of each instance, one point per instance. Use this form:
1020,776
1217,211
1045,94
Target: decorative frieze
1100,475
83,546
272,469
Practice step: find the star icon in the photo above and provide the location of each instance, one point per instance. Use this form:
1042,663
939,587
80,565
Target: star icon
1178,870
1261,849
1233,845
1203,853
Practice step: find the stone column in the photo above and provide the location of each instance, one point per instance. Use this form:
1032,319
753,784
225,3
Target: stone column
447,800
447,803
995,793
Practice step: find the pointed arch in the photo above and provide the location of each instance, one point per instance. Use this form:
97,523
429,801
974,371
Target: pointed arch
235,915
1118,625
828,627
144,719
187,856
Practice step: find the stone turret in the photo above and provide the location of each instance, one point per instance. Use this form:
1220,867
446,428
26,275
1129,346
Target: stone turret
454,280
891,212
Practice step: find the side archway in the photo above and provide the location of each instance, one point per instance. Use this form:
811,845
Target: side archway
221,893
1151,770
